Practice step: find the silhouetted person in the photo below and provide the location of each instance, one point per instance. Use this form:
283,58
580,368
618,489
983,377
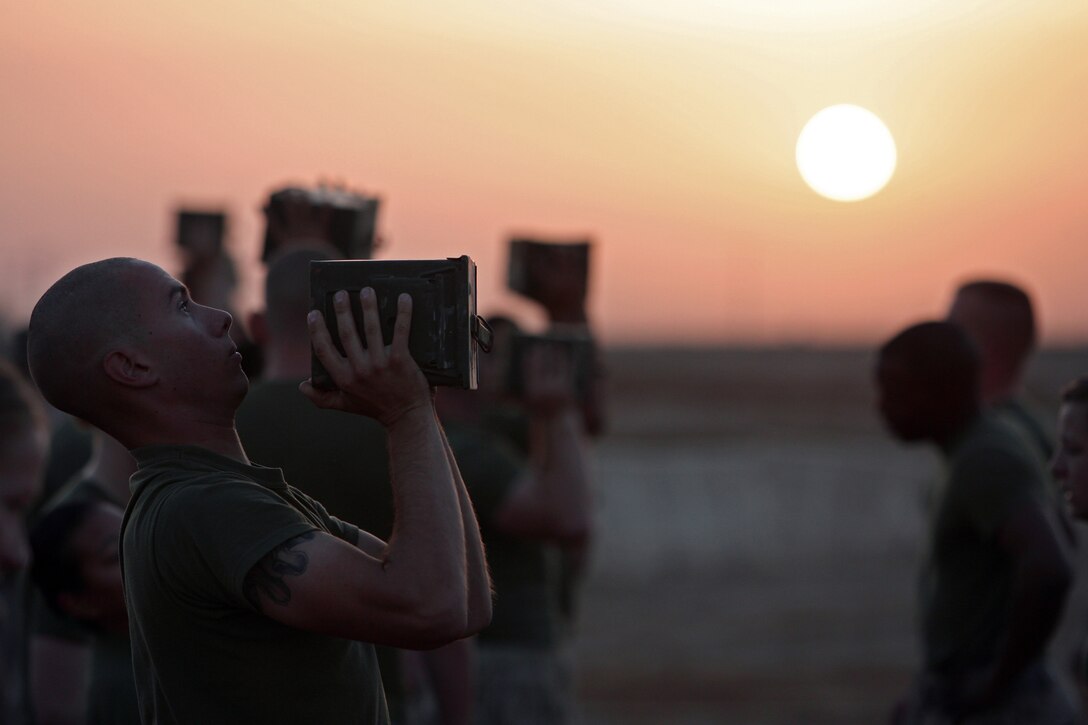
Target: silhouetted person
529,507
24,439
999,318
1070,469
247,601
77,569
995,576
1070,463
337,458
80,667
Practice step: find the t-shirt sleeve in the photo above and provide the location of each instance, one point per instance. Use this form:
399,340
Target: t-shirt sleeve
216,533
337,527
992,485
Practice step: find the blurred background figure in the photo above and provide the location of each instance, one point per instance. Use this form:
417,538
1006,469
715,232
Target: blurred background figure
24,439
80,659
531,504
1070,469
995,578
78,572
556,275
209,271
999,318
340,459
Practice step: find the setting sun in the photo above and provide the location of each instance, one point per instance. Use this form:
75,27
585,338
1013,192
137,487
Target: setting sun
846,153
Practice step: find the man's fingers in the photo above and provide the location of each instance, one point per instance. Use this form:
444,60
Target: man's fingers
345,323
321,398
372,325
326,352
403,327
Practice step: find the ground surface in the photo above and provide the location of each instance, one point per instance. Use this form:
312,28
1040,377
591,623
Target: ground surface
758,541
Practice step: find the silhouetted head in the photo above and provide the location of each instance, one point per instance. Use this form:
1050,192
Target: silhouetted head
1070,463
120,344
24,442
287,290
76,563
927,381
999,319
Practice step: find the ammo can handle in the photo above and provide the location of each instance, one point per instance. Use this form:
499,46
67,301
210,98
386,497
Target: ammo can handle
483,333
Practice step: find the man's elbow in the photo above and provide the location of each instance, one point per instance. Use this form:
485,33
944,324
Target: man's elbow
434,628
478,618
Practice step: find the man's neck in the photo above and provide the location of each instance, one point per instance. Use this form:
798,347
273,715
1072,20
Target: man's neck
217,435
949,435
112,467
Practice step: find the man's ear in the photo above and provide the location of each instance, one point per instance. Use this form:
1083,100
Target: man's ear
258,328
130,368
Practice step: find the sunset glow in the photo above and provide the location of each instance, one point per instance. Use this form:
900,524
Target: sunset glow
666,132
846,153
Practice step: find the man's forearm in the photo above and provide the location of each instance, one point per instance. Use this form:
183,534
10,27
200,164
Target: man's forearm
428,539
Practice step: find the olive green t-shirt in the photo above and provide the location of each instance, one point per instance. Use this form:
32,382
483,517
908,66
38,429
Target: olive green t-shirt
197,523
966,583
524,572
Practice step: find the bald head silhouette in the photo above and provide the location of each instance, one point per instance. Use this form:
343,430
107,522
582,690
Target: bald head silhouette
928,377
999,318
120,344
74,325
287,289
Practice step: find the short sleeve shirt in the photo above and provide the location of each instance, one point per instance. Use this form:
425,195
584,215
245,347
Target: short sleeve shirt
196,525
966,585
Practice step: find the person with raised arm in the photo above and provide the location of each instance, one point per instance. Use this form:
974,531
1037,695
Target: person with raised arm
247,601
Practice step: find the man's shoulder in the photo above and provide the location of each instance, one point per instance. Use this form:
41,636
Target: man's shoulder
993,460
992,440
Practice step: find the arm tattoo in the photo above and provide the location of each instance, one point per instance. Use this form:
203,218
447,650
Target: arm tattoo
266,580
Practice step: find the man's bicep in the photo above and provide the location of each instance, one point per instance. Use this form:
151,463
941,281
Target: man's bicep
370,544
270,580
319,583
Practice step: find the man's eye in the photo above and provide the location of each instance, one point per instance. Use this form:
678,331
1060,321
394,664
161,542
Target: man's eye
184,306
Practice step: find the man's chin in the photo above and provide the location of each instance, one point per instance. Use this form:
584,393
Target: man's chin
241,391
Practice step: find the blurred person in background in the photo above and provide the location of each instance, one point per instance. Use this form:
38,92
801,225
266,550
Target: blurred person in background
77,570
80,665
995,577
209,272
999,318
1070,469
530,507
24,440
337,458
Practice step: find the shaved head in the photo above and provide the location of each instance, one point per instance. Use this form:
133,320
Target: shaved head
73,327
999,318
939,355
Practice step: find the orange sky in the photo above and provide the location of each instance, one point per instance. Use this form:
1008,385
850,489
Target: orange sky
665,130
